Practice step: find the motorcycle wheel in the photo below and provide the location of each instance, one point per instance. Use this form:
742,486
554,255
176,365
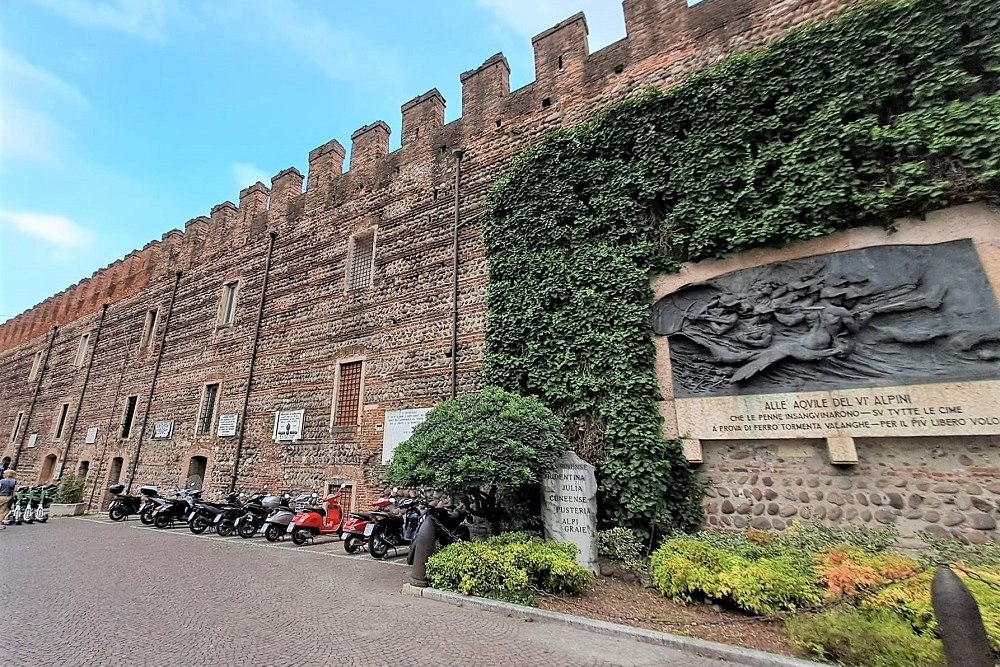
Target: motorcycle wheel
378,546
300,536
247,529
43,520
225,528
353,544
161,520
146,518
117,513
198,525
273,532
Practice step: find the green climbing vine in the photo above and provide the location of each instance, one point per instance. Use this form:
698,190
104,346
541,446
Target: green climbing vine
891,110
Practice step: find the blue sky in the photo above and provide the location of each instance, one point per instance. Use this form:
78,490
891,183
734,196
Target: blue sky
122,119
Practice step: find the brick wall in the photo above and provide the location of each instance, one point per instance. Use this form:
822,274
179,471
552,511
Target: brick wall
400,326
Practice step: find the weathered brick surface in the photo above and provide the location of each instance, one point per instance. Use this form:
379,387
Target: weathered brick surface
400,326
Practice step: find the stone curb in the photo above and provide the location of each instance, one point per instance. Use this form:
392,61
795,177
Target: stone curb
699,647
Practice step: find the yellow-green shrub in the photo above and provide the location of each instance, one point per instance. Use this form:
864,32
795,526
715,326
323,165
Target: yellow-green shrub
867,638
511,567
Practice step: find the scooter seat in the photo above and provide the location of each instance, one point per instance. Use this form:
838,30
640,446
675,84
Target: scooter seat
318,510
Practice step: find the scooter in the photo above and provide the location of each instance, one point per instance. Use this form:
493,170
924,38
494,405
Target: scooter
123,504
255,513
313,521
175,509
32,496
18,507
206,514
149,494
393,529
226,520
277,522
45,494
353,530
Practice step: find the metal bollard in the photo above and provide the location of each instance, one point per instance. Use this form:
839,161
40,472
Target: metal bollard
962,630
421,549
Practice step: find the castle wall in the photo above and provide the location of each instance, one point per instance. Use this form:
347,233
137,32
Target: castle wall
311,322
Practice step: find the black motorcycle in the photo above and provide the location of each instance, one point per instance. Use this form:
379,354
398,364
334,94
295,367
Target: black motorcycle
394,528
170,510
206,514
255,513
123,504
225,521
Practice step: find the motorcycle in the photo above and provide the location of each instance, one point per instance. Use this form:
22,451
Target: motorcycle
313,521
206,514
170,510
226,522
277,521
353,530
123,504
255,513
392,529
149,495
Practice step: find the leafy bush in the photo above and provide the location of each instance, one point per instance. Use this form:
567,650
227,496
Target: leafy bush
911,601
512,567
485,448
849,571
622,545
688,568
952,551
865,639
70,489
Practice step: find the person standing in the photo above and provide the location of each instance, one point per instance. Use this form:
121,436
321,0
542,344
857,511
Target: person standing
7,485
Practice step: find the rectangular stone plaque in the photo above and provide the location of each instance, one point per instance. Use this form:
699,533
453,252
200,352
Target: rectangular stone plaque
569,507
227,425
399,425
32,439
288,425
163,429
91,435
964,408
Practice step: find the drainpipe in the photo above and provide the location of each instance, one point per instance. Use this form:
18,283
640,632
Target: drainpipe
34,396
272,235
458,153
107,429
83,393
152,384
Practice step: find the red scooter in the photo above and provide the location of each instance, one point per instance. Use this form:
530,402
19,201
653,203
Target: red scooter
353,530
313,521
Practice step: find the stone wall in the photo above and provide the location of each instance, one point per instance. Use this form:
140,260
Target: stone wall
400,327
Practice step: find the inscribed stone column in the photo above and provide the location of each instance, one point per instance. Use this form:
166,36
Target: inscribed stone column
569,507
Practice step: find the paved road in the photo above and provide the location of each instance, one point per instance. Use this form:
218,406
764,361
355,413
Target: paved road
92,593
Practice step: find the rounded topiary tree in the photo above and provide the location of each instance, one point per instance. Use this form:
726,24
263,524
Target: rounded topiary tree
486,449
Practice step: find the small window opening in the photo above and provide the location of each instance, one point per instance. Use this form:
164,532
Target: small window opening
17,426
81,350
619,69
36,366
206,416
547,102
147,330
228,308
560,64
61,421
129,416
499,122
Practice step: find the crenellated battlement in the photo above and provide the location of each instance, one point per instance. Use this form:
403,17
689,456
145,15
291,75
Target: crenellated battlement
665,40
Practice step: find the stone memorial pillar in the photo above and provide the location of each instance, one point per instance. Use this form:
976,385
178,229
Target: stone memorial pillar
569,507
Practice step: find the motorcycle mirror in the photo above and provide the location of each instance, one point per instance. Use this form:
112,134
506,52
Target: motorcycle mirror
343,486
395,489
265,487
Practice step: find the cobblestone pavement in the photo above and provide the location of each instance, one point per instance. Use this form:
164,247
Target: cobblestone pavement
88,592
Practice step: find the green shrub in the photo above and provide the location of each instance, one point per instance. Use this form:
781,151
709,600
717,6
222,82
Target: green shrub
70,489
953,551
512,567
686,569
624,546
865,638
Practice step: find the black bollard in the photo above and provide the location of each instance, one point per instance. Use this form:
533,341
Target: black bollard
962,630
421,549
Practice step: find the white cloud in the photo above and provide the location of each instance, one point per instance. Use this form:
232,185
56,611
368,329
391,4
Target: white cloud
605,21
28,132
246,173
140,18
56,230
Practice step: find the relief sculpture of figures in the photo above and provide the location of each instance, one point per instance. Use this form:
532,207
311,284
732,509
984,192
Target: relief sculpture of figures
875,316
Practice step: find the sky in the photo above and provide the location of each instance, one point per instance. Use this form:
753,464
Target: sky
123,119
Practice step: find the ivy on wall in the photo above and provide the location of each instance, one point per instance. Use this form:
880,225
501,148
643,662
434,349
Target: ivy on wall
891,110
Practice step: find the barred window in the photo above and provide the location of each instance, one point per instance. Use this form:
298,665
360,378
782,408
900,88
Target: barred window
206,415
360,255
348,395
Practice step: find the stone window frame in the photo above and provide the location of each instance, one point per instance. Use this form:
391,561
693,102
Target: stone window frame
336,393
18,418
59,425
36,366
352,242
352,486
232,284
128,420
213,416
81,350
146,341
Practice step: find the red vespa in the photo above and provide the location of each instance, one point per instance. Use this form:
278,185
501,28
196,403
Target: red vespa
323,520
353,530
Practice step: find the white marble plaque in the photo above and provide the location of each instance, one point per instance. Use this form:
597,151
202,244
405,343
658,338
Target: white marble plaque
569,507
940,409
227,425
399,425
288,425
91,435
163,429
32,439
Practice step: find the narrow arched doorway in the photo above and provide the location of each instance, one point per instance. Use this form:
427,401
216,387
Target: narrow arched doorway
196,472
83,469
48,469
